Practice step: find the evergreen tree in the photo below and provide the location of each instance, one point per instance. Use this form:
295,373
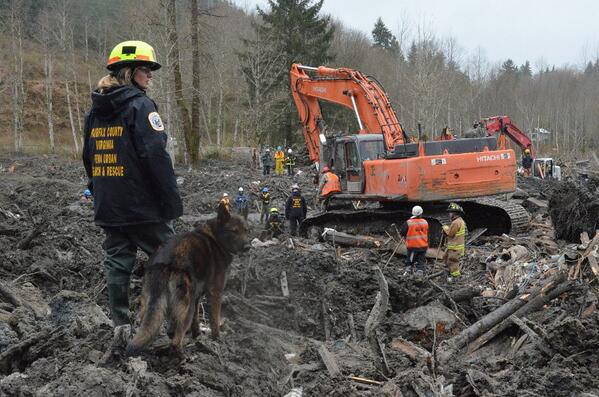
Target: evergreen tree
525,70
295,27
508,67
298,34
413,54
383,38
588,71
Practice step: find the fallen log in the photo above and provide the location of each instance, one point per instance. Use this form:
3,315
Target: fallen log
458,342
414,352
351,240
463,294
533,305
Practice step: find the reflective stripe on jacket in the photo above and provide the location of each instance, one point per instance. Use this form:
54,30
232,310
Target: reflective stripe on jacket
265,197
456,236
417,235
331,184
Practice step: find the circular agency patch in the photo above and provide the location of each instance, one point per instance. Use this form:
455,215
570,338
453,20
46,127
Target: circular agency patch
156,121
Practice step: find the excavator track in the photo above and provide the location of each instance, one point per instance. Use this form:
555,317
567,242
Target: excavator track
497,216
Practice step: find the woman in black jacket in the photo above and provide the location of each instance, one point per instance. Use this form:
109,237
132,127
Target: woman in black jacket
130,172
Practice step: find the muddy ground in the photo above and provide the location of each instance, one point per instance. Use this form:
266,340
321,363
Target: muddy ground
54,324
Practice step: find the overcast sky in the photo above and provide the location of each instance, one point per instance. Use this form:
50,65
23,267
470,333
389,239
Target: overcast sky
545,32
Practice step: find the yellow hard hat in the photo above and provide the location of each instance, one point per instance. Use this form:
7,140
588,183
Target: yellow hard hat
453,207
526,151
133,52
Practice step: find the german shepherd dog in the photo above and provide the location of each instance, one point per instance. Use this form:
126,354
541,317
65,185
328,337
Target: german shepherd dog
181,272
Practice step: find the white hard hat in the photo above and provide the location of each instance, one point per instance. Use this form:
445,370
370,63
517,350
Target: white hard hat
295,186
268,150
225,194
241,189
417,210
289,151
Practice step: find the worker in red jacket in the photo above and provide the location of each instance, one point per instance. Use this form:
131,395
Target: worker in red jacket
415,232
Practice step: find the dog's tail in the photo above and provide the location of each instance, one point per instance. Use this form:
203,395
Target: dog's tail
154,303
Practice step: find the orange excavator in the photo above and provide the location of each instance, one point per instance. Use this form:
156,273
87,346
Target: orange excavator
382,164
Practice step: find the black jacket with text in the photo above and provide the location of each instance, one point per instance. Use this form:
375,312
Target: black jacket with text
131,174
296,206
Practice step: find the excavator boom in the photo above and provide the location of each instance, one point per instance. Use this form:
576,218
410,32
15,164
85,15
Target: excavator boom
348,88
503,124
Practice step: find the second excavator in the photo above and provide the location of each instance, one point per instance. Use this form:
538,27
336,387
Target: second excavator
384,166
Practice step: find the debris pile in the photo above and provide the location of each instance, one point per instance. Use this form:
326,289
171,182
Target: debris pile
574,207
341,316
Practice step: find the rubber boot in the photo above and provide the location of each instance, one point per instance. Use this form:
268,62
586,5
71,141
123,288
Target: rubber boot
118,297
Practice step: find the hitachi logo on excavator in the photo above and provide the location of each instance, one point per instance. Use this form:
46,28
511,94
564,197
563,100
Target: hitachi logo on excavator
493,157
320,90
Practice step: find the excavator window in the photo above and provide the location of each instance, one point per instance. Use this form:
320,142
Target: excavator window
339,162
372,150
352,156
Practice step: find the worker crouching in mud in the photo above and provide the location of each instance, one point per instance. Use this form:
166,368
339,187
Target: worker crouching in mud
274,224
415,233
456,235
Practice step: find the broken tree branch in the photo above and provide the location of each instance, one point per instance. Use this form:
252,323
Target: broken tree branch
533,305
36,231
458,342
329,361
376,317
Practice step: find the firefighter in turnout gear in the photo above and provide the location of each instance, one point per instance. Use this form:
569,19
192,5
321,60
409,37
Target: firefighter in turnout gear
274,224
290,162
130,173
415,233
279,161
295,209
456,237
265,201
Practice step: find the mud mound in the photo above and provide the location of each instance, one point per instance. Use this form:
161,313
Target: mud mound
574,208
54,324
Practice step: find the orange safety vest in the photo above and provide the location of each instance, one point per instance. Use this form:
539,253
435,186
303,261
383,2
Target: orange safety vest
417,235
331,185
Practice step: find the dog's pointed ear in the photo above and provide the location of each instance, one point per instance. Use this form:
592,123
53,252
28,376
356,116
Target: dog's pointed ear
222,214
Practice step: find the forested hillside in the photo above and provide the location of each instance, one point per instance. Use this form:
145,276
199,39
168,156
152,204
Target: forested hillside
237,92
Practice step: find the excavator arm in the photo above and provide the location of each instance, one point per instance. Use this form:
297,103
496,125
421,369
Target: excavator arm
348,88
503,125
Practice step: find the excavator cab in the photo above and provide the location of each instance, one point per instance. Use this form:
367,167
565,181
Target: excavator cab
347,154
